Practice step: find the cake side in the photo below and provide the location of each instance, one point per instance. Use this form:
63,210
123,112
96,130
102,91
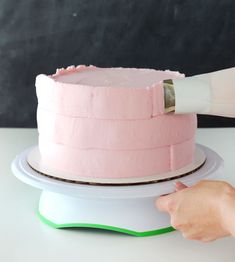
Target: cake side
89,129
89,133
80,100
115,163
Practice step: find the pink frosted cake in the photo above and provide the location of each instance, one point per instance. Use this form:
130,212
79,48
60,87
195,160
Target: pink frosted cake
109,123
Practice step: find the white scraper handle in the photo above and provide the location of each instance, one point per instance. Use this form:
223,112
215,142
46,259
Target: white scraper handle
211,94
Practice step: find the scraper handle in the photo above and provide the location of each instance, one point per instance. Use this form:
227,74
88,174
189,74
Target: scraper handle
210,94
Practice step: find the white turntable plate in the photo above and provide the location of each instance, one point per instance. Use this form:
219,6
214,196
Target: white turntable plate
34,160
79,204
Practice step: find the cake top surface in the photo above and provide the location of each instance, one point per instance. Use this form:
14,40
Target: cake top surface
112,77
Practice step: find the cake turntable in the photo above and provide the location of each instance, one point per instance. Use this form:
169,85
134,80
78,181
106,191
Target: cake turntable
122,205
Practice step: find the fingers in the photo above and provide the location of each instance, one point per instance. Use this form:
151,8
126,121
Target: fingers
167,203
198,237
179,186
164,203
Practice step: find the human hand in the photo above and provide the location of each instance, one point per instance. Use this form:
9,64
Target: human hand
202,212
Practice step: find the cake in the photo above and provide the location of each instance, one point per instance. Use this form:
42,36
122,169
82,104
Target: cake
110,123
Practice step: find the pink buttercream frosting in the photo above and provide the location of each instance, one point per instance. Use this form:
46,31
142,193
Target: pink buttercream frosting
109,122
107,99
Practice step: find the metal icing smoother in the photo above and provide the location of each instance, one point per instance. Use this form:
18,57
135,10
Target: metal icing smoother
169,96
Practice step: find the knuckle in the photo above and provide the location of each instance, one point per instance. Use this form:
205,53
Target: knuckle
207,240
171,206
201,183
192,236
198,238
175,223
227,187
188,236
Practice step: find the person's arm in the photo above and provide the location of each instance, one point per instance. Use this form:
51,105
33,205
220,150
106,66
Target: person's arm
211,94
203,212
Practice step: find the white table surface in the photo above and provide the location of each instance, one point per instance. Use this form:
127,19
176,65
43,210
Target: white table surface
24,238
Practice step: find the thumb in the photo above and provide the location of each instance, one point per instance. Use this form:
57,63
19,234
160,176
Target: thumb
179,186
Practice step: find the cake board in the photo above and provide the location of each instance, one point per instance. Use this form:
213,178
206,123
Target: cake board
119,205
